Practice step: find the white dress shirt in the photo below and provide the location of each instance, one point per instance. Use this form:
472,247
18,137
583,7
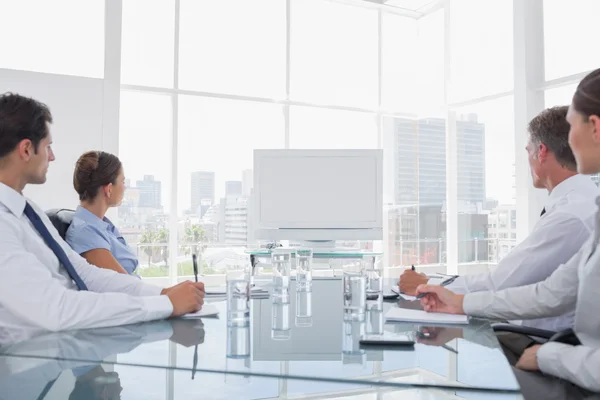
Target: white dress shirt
36,291
573,285
556,237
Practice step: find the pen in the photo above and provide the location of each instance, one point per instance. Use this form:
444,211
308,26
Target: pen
195,267
445,346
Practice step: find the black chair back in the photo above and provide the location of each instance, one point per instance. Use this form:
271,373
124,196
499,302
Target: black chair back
61,219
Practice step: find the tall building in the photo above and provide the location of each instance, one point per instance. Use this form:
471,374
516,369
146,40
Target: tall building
234,221
203,188
247,182
233,188
420,160
470,136
502,229
149,192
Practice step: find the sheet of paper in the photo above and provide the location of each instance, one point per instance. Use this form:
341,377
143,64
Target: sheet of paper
208,310
404,296
408,315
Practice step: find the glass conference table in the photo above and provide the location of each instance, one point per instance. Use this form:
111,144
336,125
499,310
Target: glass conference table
319,358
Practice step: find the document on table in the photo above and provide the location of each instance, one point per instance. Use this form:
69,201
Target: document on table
208,310
407,315
404,296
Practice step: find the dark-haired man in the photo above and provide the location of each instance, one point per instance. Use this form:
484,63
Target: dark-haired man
44,284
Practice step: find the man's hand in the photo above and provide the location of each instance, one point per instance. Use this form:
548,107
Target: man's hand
186,297
438,336
528,360
440,299
409,280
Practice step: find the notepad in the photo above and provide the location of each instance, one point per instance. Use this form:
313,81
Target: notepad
420,316
208,310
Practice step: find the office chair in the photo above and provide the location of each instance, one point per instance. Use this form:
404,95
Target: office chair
566,336
61,219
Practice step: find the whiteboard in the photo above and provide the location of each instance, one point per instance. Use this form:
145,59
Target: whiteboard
318,189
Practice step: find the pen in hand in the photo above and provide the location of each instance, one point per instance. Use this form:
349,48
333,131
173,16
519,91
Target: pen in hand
195,263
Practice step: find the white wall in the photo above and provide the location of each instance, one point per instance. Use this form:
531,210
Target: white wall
77,105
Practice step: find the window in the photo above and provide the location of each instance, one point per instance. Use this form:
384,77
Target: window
147,42
482,63
560,96
333,53
145,151
415,190
400,63
235,47
216,141
567,34
318,128
486,182
60,37
431,68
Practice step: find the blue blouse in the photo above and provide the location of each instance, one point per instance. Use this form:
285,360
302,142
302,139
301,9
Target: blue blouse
88,232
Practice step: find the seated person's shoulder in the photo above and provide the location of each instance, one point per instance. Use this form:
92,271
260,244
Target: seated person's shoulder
82,236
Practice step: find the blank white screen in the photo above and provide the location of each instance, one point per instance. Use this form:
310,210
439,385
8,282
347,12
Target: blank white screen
319,191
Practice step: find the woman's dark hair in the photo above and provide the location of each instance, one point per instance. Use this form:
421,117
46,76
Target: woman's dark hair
586,99
94,170
22,118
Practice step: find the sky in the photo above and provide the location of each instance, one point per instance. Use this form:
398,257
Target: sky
238,48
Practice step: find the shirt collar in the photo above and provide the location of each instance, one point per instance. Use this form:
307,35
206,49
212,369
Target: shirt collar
91,218
12,200
565,187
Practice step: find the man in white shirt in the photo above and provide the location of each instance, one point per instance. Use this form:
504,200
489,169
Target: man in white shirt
565,224
44,284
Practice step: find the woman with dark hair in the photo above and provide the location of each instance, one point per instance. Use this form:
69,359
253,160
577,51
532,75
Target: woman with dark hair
100,182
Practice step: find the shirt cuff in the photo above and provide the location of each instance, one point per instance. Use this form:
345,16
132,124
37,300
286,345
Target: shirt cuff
148,289
157,307
435,281
474,303
548,357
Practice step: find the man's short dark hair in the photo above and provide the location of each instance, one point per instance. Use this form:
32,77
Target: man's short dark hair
22,118
550,127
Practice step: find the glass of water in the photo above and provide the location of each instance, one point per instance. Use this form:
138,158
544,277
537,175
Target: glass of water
355,294
280,321
281,262
374,316
374,275
352,353
238,298
303,309
238,341
304,269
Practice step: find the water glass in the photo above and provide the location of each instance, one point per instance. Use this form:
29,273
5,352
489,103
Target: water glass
238,341
303,309
238,354
280,321
374,316
238,298
374,275
351,350
304,269
281,262
354,283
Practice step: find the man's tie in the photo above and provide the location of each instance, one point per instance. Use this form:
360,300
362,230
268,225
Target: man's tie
543,211
38,224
